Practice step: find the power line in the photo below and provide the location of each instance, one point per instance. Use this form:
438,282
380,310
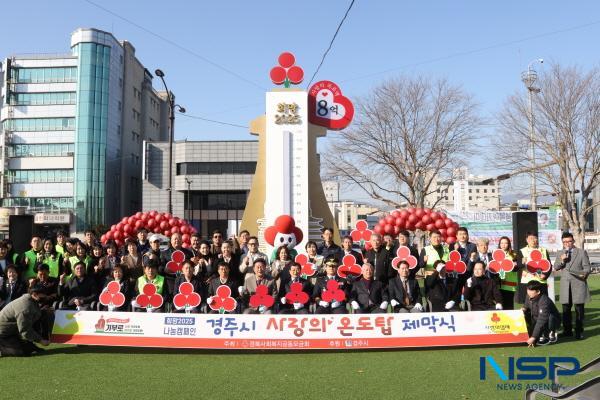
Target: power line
331,42
180,47
212,120
474,51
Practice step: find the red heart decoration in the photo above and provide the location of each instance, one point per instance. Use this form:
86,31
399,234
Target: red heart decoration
306,270
111,295
403,254
296,295
361,232
261,297
500,262
223,301
349,267
455,264
186,296
537,262
149,297
345,107
333,292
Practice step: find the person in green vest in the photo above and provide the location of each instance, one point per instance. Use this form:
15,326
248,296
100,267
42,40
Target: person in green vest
436,250
81,255
151,276
52,258
510,282
61,242
31,258
526,276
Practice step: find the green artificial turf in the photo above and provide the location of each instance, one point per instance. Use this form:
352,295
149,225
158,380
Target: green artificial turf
79,372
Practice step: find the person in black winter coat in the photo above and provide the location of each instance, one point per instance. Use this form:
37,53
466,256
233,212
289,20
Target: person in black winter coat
481,291
11,287
541,315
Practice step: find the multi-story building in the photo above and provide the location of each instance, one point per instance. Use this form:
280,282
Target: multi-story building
72,131
211,181
465,193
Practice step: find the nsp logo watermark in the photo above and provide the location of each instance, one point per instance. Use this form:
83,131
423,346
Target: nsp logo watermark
529,368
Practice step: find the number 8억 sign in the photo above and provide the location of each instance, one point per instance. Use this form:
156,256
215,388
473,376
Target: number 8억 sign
328,107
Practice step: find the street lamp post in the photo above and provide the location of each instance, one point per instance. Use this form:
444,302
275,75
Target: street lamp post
189,184
529,77
172,108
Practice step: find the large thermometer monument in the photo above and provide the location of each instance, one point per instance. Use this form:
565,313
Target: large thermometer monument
287,178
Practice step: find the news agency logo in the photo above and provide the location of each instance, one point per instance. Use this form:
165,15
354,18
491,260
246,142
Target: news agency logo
527,369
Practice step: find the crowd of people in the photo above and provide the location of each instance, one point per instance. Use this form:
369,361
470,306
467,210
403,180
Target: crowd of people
68,273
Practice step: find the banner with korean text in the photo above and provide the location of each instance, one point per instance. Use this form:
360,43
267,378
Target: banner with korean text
235,331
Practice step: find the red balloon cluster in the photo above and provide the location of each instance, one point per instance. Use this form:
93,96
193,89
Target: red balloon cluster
424,219
154,221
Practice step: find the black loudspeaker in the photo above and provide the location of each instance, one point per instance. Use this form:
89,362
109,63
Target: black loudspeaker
523,222
20,231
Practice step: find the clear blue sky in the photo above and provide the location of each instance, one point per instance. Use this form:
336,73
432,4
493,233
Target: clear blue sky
482,45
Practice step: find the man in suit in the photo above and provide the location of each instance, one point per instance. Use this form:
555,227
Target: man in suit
441,289
463,246
334,306
222,279
404,291
175,244
379,258
252,281
368,296
575,266
295,307
482,254
12,287
347,250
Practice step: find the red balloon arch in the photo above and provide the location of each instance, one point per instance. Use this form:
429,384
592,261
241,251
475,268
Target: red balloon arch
154,221
412,219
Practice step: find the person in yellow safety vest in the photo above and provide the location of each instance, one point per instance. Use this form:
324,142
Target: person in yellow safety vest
436,250
31,258
151,276
61,242
526,276
52,258
508,285
81,255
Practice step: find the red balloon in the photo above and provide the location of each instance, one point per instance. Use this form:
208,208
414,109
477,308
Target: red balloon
395,214
451,240
378,229
138,214
109,235
127,228
442,215
430,227
455,225
103,238
426,219
382,222
164,225
167,232
450,232
119,226
119,243
390,220
434,216
158,218
442,232
167,215
151,223
139,224
388,228
117,235
152,214
124,220
419,225
412,219
185,245
368,246
131,220
193,230
185,237
419,213
172,222
399,221
396,230
184,229
410,225
448,222
156,229
174,230
427,210
439,223
411,210
404,214
145,217
113,227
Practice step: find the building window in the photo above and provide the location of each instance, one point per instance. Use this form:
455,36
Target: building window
39,202
136,115
46,98
470,190
484,190
40,175
493,190
216,168
470,198
39,124
41,150
44,75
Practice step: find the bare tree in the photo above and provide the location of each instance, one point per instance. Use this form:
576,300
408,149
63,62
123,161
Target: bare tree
408,133
566,139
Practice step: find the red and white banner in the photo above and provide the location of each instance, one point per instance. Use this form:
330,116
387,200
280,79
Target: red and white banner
234,331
